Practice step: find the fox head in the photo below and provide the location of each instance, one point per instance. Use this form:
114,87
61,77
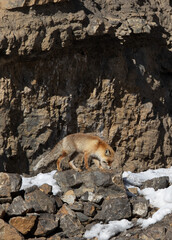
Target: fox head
106,156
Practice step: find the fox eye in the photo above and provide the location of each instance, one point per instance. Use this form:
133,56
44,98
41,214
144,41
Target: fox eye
107,152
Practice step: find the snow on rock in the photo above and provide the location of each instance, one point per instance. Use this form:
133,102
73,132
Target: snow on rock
161,199
40,179
105,231
137,179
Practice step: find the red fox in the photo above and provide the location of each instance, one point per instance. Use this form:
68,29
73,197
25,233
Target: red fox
89,145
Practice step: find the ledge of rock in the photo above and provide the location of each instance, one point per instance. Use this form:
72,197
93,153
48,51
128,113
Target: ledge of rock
8,4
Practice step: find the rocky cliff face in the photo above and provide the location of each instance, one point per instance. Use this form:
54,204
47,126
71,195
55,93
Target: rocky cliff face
90,66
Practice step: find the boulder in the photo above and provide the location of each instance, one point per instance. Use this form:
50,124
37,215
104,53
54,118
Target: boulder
23,224
9,183
47,223
69,197
40,202
7,232
69,222
139,206
46,188
89,209
2,212
18,207
114,209
156,183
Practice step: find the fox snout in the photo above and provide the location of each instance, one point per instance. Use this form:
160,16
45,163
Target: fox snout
106,163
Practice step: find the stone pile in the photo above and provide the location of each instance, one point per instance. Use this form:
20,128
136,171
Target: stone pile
86,198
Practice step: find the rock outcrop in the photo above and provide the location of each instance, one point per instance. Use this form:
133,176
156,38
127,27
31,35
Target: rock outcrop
86,66
8,4
86,198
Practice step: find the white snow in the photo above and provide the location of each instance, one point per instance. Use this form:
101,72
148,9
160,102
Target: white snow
105,231
137,179
161,199
40,179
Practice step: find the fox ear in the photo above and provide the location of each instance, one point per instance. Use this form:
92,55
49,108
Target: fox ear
107,152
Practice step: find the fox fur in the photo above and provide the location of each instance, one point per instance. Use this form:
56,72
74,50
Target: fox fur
90,145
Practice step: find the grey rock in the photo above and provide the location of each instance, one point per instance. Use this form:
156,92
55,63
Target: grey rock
77,206
89,209
68,179
31,189
112,190
156,183
57,200
139,206
40,202
71,226
47,223
18,207
92,197
82,217
9,183
103,179
114,209
16,182
69,222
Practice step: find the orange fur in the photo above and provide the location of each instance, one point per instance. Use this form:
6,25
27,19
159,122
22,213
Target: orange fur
90,146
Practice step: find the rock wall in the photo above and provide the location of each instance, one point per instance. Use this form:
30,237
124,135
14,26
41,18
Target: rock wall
90,66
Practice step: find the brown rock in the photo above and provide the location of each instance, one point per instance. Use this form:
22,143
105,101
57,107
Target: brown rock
38,238
22,3
2,211
8,232
133,190
23,224
89,209
47,189
69,197
5,206
54,237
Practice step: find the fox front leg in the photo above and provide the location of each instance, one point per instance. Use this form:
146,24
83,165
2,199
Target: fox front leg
64,154
72,165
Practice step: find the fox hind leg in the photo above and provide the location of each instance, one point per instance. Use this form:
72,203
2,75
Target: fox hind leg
86,158
64,154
